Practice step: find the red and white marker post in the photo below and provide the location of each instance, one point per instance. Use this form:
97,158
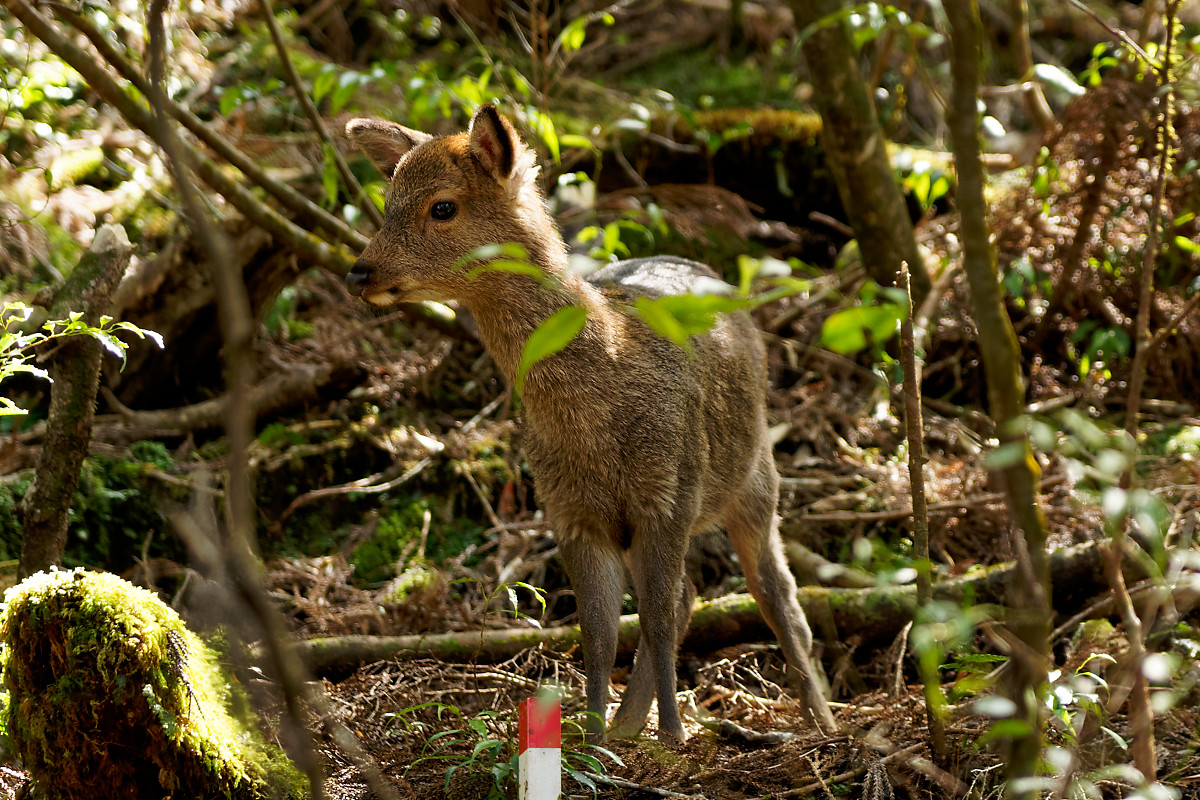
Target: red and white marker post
540,749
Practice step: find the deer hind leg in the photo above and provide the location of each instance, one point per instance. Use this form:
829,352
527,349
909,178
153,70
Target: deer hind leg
754,528
598,577
640,690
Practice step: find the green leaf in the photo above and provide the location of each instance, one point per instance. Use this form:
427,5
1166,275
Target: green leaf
847,330
1059,78
679,317
325,82
572,36
575,140
1006,455
1187,245
556,332
329,175
582,779
508,265
112,344
1116,737
10,409
510,250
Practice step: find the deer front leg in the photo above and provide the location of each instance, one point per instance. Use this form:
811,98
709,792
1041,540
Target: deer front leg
656,562
639,691
597,575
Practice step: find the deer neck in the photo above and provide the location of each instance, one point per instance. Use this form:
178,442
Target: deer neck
508,307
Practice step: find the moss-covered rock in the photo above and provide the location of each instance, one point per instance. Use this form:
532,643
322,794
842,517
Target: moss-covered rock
112,696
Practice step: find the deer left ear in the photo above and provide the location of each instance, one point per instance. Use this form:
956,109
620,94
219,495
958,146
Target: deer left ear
494,142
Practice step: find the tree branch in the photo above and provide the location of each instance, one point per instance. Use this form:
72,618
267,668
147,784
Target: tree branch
305,243
1029,597
289,197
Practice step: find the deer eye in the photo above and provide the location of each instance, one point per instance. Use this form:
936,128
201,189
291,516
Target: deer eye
444,210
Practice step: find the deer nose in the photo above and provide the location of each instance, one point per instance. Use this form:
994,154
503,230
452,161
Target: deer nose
357,278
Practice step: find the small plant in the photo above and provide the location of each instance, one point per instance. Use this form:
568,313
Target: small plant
483,744
16,347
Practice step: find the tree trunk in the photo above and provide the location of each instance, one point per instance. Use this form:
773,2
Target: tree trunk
75,370
856,148
1029,593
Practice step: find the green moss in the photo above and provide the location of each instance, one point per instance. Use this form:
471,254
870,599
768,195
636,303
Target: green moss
378,558
706,77
114,508
112,696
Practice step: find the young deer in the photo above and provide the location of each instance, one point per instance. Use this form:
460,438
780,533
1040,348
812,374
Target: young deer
635,444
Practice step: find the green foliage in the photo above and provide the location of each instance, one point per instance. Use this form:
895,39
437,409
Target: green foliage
1104,57
16,346
549,337
115,509
481,749
619,238
376,559
706,78
1176,440
379,558
872,323
39,94
927,183
282,318
1095,346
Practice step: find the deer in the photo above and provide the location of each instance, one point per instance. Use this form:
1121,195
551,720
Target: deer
635,443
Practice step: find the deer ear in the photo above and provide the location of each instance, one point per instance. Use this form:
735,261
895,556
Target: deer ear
494,142
385,143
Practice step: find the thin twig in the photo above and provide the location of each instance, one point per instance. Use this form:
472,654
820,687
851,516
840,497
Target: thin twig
365,202
947,507
1169,328
237,331
914,430
361,486
1116,33
849,775
621,783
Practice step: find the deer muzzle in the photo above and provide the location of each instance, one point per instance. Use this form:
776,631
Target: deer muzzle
358,278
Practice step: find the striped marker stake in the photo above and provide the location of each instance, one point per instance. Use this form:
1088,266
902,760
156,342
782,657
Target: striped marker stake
539,753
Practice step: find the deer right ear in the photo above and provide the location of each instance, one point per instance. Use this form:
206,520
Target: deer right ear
494,142
385,143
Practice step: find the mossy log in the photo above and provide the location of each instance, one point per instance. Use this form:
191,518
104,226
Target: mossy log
110,695
875,614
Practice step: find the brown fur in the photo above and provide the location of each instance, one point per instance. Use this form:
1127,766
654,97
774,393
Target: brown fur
634,445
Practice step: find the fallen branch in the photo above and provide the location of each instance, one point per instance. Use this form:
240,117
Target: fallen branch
276,391
314,117
366,485
872,614
947,507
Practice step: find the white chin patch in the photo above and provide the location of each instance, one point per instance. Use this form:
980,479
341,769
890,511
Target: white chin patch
387,298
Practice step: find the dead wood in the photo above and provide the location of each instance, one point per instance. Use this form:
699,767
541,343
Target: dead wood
277,391
869,614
